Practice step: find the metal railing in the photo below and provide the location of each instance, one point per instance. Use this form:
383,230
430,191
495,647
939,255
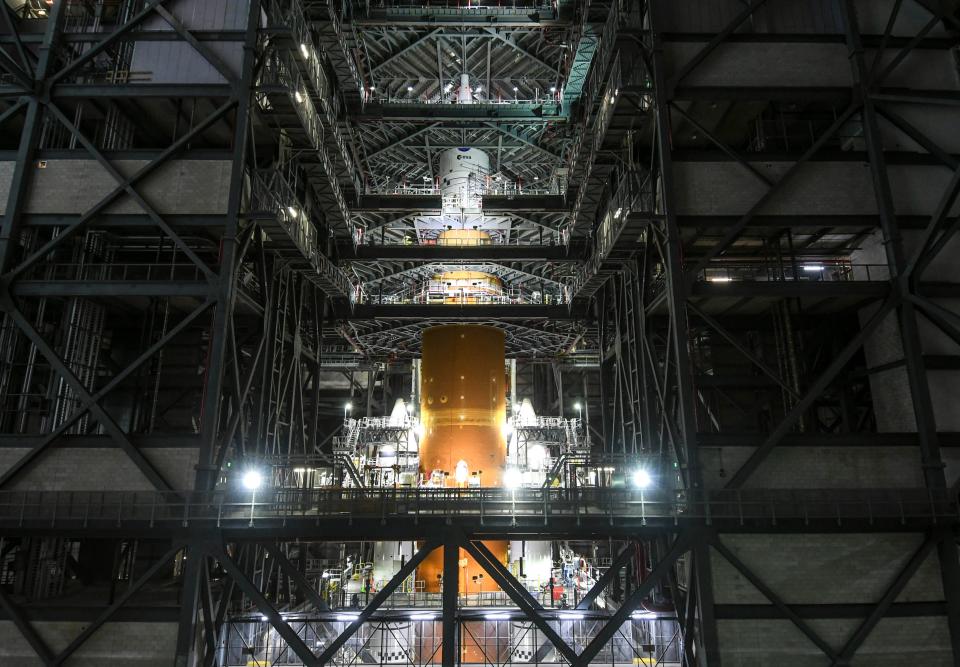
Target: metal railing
435,292
85,508
272,192
833,270
113,271
280,69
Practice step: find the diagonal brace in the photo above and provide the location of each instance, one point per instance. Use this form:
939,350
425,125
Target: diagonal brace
530,607
607,577
381,597
606,633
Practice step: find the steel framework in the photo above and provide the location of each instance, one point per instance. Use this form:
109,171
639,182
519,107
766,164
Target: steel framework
754,250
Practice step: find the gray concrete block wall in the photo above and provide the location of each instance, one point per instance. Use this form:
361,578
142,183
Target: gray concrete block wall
99,469
890,389
115,644
827,569
199,187
759,64
764,642
824,568
817,188
816,467
872,17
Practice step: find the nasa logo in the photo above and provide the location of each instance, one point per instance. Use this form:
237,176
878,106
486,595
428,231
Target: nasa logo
464,157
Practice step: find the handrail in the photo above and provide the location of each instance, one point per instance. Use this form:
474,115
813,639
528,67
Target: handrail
243,508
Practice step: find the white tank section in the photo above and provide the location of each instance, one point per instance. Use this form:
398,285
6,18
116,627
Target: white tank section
463,174
537,561
465,93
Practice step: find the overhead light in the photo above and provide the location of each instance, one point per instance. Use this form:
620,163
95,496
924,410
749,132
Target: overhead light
423,617
293,212
409,89
347,617
512,478
644,615
348,407
536,178
720,279
572,616
479,89
252,480
577,406
497,617
299,97
813,267
515,89
642,479
372,88
304,50
553,89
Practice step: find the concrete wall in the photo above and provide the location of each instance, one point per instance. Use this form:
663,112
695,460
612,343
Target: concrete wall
99,469
178,62
761,642
74,186
824,569
115,644
817,467
817,188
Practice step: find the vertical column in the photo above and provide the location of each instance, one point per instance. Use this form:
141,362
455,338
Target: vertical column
924,416
189,598
451,582
676,284
222,320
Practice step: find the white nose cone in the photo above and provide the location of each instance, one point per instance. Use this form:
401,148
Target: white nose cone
464,95
399,414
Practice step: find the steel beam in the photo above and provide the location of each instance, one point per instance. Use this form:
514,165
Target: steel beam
516,592
330,651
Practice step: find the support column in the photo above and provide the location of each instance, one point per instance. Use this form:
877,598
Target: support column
451,582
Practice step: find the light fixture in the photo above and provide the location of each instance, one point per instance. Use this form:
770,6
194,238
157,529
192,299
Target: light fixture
372,88
497,617
252,480
512,478
348,407
813,267
515,89
577,406
447,88
299,97
304,50
409,89
422,617
292,210
479,89
642,479
720,279
553,89
347,617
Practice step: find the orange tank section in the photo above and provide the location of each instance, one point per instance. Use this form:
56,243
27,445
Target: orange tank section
463,412
463,404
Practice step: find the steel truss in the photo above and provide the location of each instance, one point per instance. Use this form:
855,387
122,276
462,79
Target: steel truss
254,291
